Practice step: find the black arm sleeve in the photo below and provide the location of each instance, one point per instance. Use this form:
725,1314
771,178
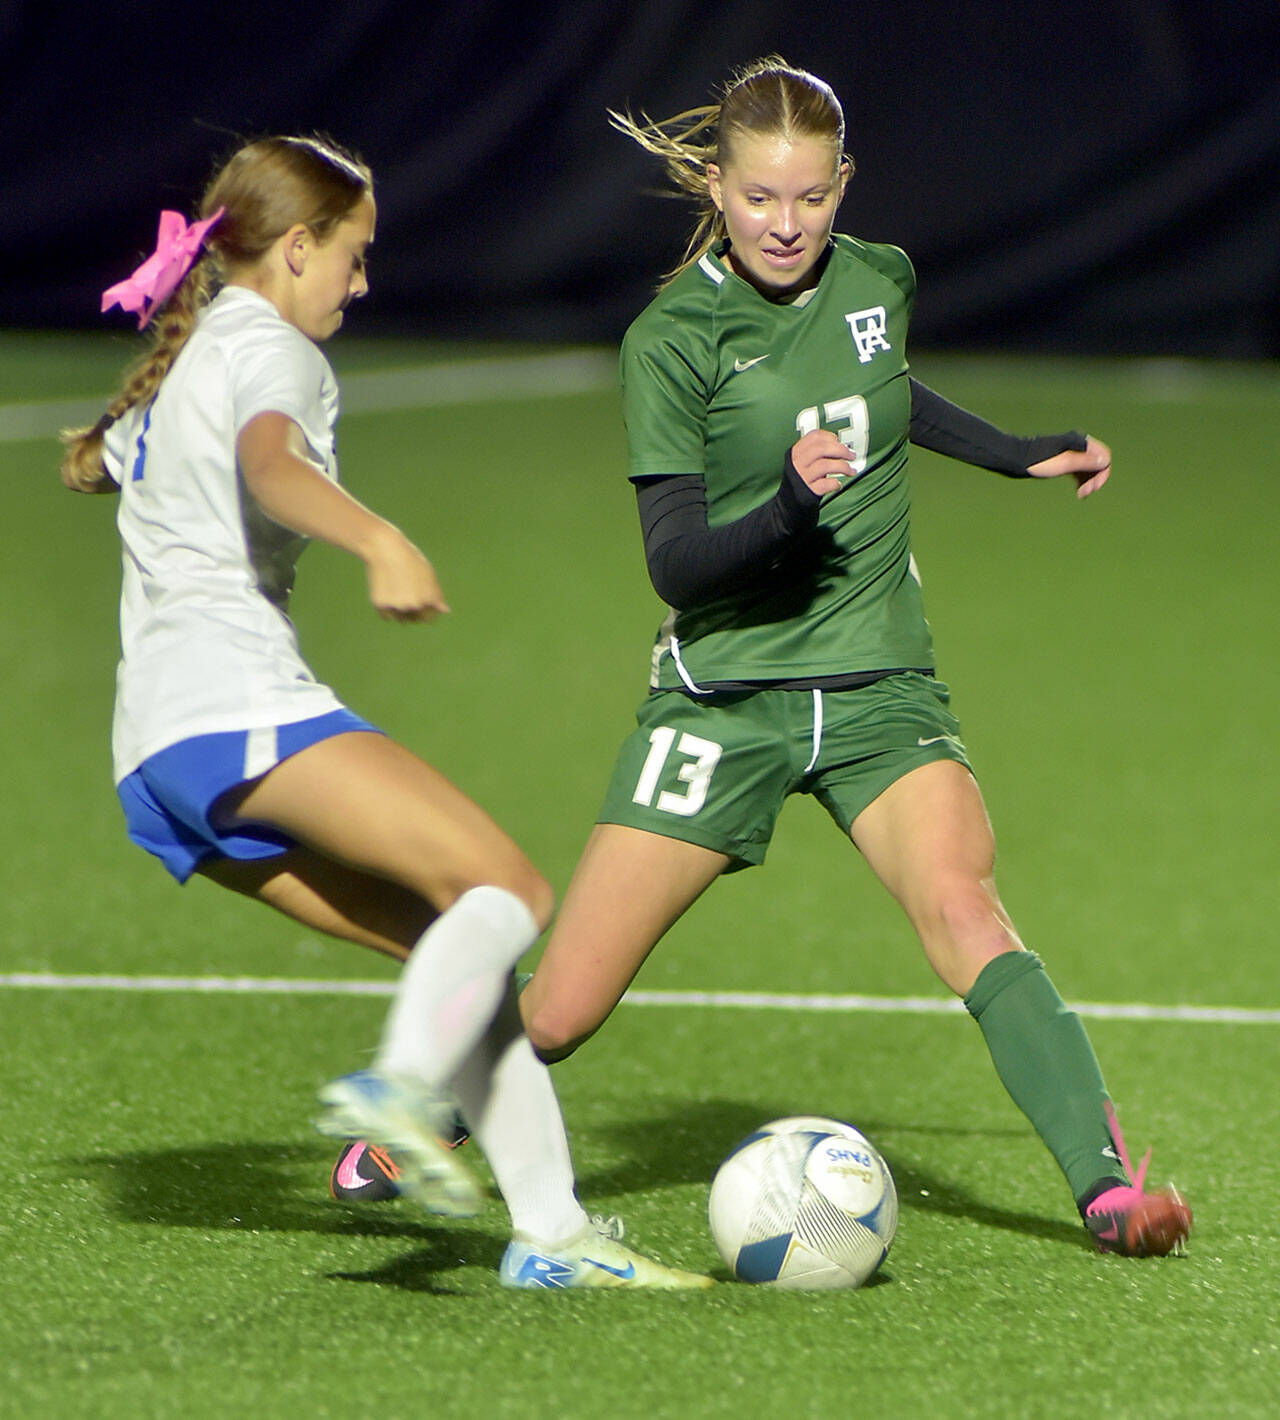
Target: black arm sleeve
945,428
689,562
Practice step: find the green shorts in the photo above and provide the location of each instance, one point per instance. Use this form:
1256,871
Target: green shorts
715,769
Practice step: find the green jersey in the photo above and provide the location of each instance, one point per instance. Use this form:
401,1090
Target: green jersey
720,382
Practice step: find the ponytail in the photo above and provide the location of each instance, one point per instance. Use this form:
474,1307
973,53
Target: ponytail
83,469
254,198
686,144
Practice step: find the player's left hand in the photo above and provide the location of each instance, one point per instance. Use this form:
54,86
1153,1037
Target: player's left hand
1090,467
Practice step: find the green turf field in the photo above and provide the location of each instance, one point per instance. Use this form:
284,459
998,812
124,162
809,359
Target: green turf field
168,1245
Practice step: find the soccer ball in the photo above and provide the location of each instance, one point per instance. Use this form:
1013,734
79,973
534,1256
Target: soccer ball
804,1202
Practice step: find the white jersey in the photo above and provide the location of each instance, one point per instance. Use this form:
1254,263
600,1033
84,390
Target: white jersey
206,643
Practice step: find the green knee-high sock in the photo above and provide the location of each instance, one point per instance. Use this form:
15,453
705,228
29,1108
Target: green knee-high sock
1044,1059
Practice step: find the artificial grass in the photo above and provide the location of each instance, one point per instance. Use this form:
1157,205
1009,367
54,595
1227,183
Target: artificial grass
176,1249
169,1245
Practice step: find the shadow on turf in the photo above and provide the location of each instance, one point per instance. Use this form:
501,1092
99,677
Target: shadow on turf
256,1185
246,1187
687,1144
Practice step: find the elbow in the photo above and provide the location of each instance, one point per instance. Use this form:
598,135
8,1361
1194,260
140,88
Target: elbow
663,576
682,593
680,585
671,590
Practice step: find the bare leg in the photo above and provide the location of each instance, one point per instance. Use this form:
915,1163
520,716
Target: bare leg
371,804
505,1093
330,897
929,840
627,890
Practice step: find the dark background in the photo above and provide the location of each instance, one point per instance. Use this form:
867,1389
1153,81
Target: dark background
1101,177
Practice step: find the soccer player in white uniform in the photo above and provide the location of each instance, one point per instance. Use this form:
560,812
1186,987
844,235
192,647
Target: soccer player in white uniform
233,761
768,409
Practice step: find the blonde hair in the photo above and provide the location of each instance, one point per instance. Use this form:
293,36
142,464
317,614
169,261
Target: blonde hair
767,98
265,188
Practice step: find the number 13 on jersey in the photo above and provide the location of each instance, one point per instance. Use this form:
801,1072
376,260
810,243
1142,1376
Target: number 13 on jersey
854,433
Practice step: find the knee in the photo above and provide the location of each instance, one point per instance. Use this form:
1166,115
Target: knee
968,910
553,1033
553,1054
537,895
521,879
962,926
961,909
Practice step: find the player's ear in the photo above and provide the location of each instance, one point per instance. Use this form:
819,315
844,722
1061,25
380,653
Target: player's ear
715,185
297,244
843,176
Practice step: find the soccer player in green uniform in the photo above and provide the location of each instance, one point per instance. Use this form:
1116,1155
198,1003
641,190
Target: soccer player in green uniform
768,408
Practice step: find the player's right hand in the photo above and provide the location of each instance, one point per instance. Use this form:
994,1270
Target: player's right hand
822,461
402,583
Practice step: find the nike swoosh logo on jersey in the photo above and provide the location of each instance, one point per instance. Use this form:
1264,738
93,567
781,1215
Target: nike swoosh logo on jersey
937,740
626,1273
740,365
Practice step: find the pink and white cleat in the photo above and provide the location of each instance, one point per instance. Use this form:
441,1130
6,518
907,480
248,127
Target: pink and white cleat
1132,1222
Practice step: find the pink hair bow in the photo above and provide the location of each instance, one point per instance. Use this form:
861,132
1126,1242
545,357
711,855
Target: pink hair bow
151,285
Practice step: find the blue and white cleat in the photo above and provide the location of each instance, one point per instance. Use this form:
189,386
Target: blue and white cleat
596,1258
405,1118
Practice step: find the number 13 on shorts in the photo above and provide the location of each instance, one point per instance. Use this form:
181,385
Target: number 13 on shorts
700,759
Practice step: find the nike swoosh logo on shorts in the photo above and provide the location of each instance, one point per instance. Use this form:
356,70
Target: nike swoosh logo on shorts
937,740
740,365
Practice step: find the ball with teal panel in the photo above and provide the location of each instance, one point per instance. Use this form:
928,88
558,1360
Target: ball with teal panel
806,1203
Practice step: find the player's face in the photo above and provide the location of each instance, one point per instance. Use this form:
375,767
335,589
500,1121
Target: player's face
779,198
334,273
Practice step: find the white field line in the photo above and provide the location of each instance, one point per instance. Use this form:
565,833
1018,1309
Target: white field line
374,392
716,1000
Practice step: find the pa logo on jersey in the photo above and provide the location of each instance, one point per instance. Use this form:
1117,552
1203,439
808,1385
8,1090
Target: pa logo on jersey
868,329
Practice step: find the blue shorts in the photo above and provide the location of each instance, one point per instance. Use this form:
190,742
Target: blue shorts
167,800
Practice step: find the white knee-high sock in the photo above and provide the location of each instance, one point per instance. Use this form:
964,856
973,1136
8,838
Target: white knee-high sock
510,1105
452,985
